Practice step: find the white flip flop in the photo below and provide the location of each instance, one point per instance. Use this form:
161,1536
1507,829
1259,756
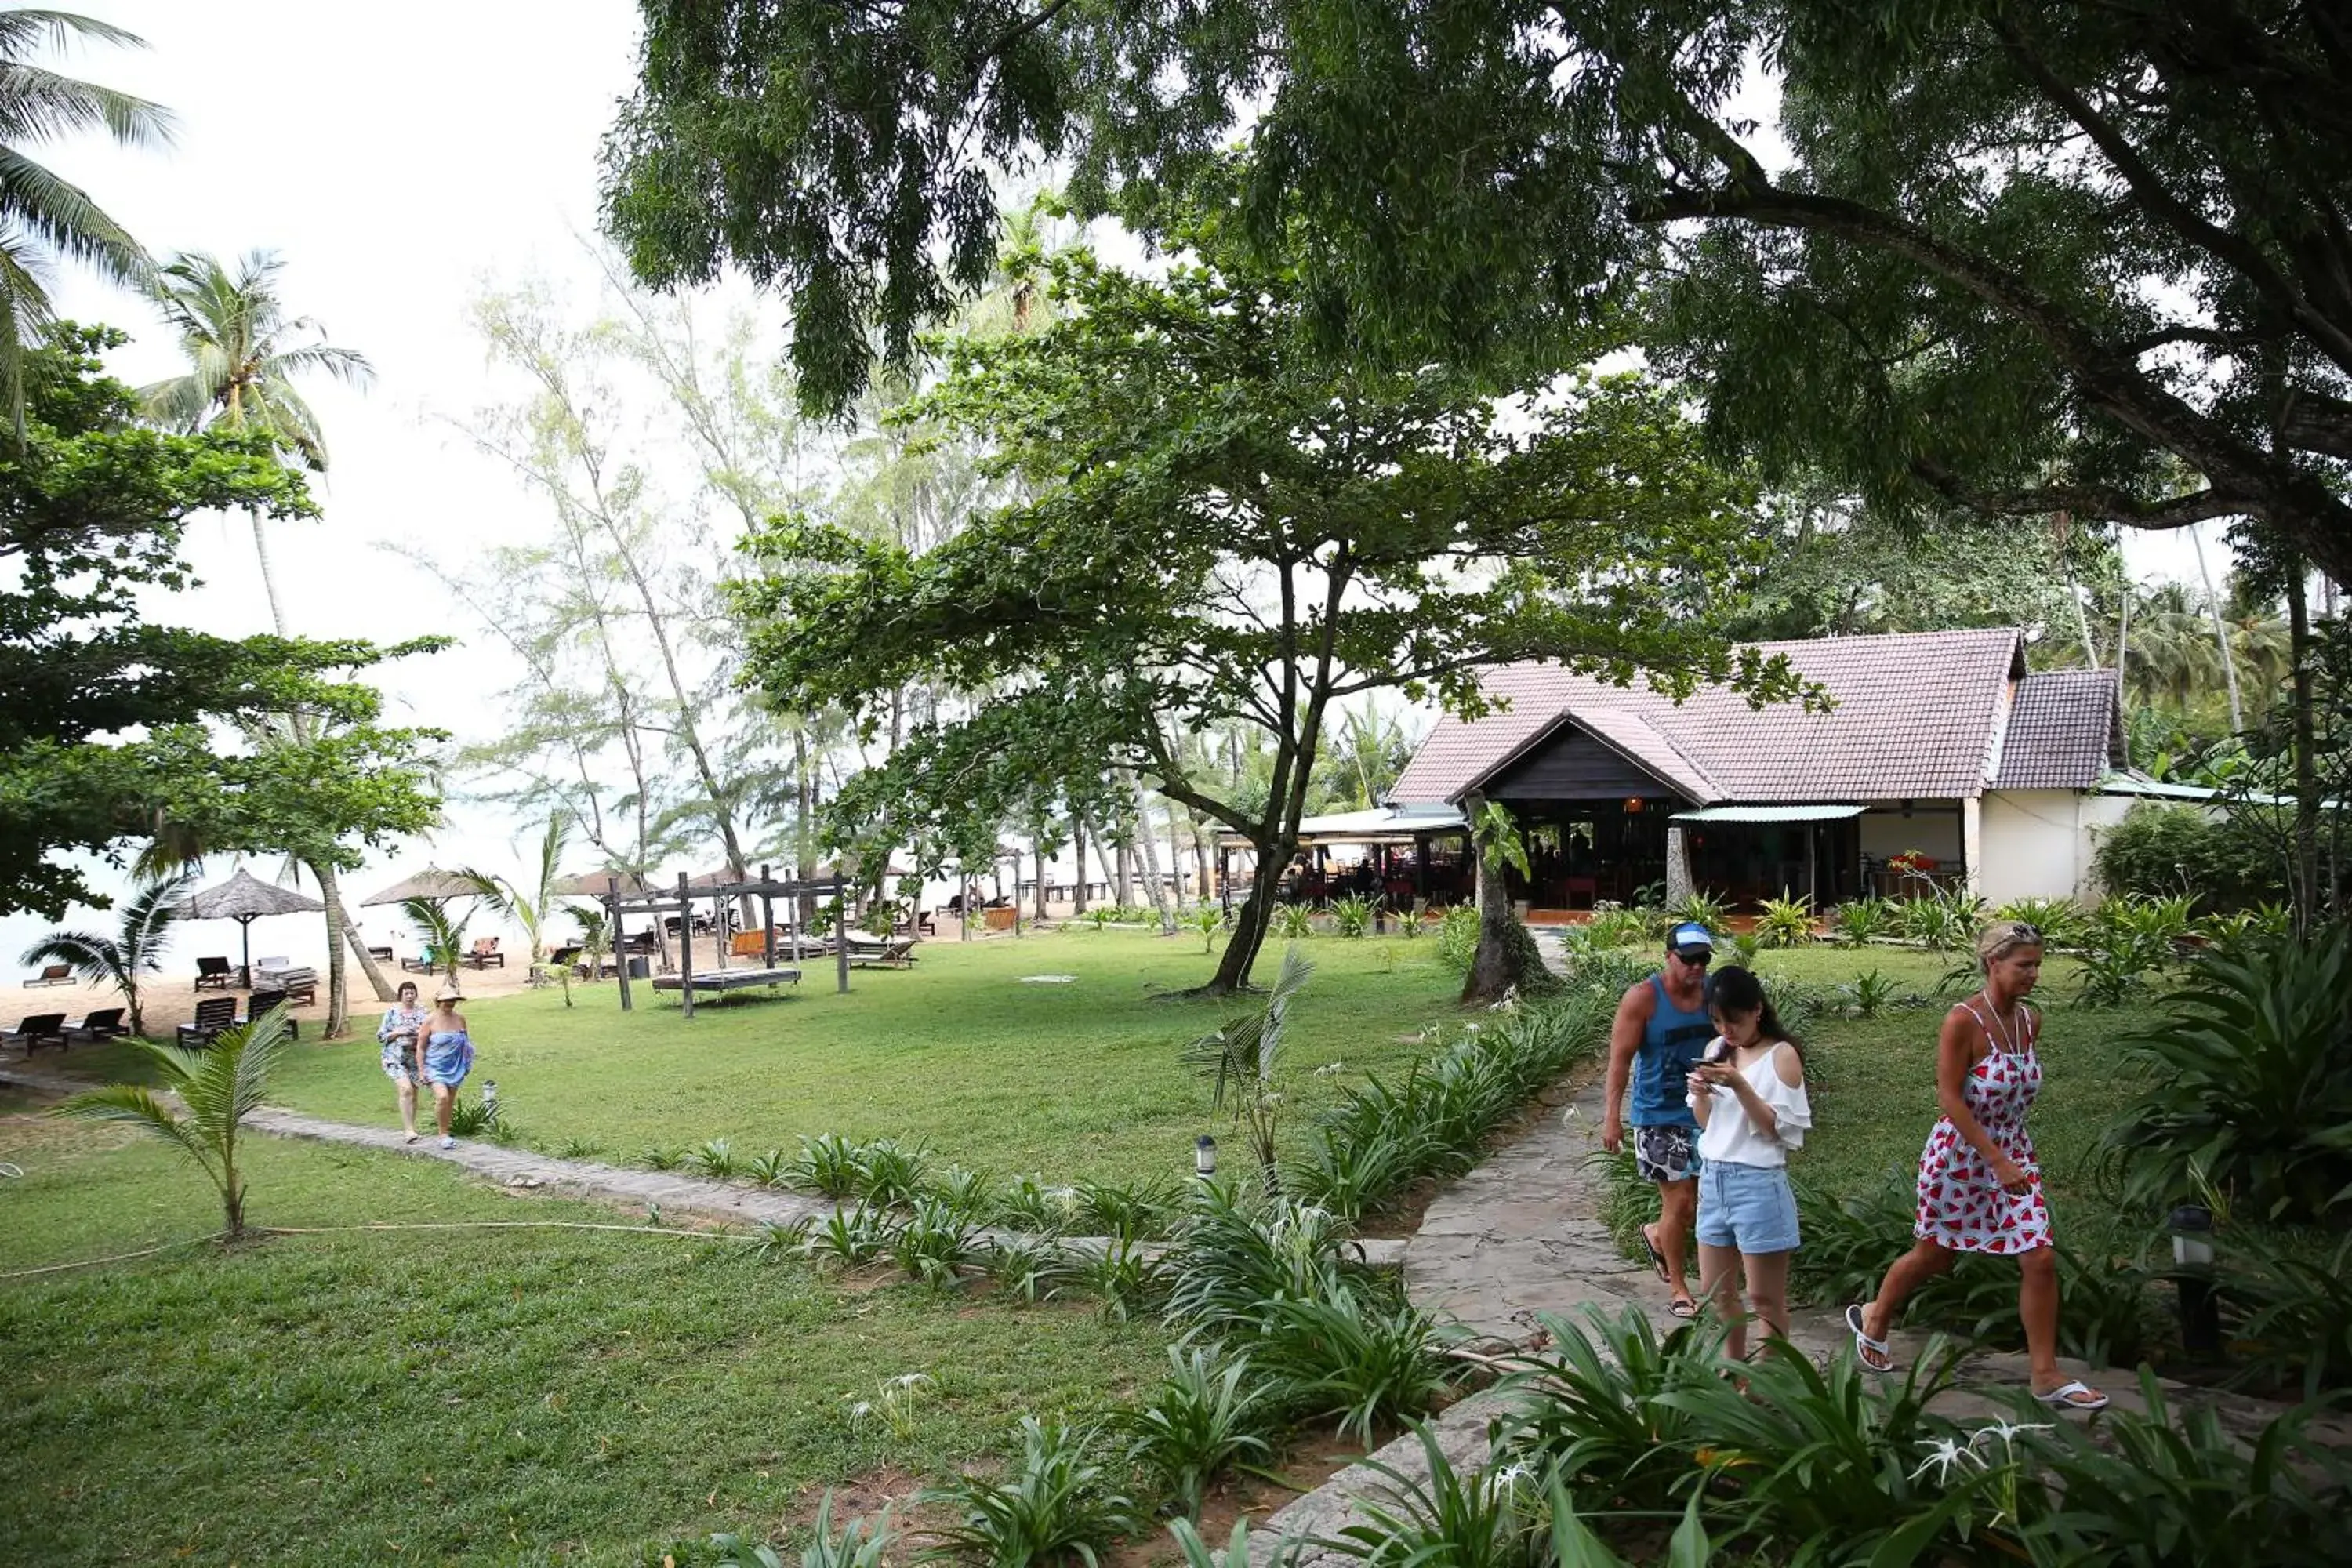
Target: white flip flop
1865,1347
2062,1396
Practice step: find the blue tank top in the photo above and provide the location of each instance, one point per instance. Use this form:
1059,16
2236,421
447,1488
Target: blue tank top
1671,1046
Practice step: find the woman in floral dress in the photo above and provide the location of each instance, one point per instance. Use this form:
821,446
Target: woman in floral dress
1979,1187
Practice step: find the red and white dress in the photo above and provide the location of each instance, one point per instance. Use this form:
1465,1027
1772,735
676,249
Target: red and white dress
1962,1205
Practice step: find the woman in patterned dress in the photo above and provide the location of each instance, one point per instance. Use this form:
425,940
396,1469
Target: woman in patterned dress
1979,1187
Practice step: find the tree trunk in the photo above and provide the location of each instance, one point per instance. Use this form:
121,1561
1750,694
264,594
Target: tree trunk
1039,848
2220,633
2307,901
1251,923
1148,841
1497,965
1078,862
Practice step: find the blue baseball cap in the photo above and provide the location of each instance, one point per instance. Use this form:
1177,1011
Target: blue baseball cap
1690,935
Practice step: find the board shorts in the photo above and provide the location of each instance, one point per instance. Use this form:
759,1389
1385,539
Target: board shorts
1668,1153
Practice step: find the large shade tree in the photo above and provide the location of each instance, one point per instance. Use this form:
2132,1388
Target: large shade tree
1216,527
2091,258
43,219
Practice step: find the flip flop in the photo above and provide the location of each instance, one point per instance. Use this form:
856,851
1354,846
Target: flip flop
1657,1258
1683,1307
1865,1347
2065,1397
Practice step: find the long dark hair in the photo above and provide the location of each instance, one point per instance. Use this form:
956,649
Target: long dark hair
1737,990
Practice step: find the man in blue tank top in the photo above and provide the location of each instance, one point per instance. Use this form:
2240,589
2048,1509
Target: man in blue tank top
1661,1029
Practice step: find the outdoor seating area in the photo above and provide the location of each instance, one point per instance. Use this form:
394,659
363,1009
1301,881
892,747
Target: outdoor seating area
40,1029
213,1014
52,974
215,973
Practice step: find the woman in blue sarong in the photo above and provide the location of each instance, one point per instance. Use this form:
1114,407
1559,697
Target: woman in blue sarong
444,1055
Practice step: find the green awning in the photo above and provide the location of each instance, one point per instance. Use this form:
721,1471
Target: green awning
1768,814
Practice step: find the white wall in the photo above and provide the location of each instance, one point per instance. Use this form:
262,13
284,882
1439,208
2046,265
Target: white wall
2039,843
1887,832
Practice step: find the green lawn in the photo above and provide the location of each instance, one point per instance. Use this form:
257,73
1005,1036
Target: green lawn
1071,1080
481,1395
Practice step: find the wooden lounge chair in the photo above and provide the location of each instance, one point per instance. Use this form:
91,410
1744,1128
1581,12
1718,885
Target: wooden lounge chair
101,1024
485,953
218,974
41,1029
52,974
299,985
261,1002
213,1014
888,952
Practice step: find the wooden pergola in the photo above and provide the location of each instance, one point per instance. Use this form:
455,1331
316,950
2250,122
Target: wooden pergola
689,893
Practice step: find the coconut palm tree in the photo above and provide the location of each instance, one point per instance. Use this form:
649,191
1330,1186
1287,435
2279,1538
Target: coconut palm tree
531,909
442,934
220,1086
135,948
244,353
42,217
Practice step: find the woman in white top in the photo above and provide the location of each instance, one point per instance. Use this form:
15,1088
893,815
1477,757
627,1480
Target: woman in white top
1748,1094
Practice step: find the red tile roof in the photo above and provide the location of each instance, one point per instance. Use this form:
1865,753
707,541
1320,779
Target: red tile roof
2065,732
1914,718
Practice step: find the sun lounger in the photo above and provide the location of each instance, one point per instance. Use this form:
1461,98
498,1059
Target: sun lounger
52,974
888,952
485,953
298,984
213,1014
217,973
41,1029
261,1002
101,1024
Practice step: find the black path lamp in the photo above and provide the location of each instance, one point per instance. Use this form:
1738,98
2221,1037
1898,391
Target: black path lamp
2192,1257
1205,1156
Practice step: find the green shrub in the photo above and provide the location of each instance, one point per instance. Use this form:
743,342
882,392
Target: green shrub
2159,850
2290,1309
1862,921
856,1544
2248,1083
1030,1268
1868,994
1294,922
827,1164
1131,1211
967,1192
1613,927
1351,916
1198,1423
1027,1203
853,1236
935,1245
1493,1518
1058,1502
2061,922
1785,922
1458,938
1941,922
1357,1357
1128,1282
1701,908
890,1173
714,1158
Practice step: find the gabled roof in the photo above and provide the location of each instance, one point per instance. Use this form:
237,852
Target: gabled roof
1917,718
2066,731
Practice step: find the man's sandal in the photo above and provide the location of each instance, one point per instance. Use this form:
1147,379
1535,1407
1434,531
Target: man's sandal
1874,1354
1657,1258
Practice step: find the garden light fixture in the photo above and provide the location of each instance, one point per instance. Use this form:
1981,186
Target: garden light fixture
1205,1156
2192,1256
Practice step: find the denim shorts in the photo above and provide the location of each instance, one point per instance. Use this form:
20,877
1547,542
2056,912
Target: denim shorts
1750,1207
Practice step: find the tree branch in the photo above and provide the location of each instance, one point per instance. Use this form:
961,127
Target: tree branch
2103,502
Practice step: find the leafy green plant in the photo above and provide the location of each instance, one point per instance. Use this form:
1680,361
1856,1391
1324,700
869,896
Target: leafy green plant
1869,993
889,1172
1128,1282
935,1243
968,1193
478,1117
577,1148
2291,1307
1492,1518
1232,1260
770,1168
2266,921
715,1158
829,1164
1198,1423
1030,1268
661,1156
1747,947
1457,937
1349,1176
856,1544
1700,908
1941,922
442,933
1413,922
1239,1060
2248,1083
1208,919
1862,921
853,1236
135,948
2060,922
1785,922
1294,922
1102,916
1027,1203
1351,916
786,1239
1131,1211
1058,1502
1611,926
1356,1359
219,1086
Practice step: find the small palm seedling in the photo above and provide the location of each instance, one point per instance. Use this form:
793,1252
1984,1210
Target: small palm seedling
935,1245
1294,922
1410,925
1208,919
852,1237
1030,1268
715,1158
1103,916
890,1173
1240,1060
856,1544
1197,1424
220,1087
770,1168
135,948
1746,948
1059,1502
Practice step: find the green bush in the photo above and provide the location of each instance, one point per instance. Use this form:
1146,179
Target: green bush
1862,921
1785,922
2248,1083
1198,1423
1059,1502
2161,850
1458,938
1351,916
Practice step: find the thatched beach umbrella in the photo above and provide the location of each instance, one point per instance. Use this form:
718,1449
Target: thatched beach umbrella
591,885
245,899
430,883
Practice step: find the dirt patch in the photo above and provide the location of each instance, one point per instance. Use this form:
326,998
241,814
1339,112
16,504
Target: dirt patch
862,1496
1315,1460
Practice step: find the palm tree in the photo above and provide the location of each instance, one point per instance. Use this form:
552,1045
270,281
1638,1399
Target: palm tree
532,911
43,218
136,947
444,936
244,353
220,1086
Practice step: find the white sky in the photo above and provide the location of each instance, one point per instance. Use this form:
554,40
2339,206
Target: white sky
397,157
